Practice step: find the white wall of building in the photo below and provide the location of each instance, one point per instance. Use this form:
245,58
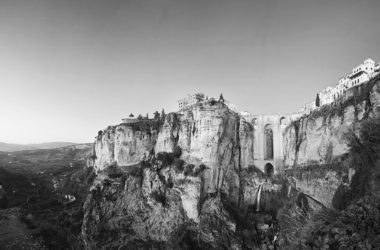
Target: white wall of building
359,75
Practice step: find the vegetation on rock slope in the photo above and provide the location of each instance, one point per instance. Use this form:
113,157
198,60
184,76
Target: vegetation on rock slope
37,180
357,226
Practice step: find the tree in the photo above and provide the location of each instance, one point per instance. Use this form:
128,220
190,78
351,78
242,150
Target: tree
221,98
131,115
163,115
140,117
177,151
156,116
317,101
147,116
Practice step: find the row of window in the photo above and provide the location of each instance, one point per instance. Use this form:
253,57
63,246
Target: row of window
360,69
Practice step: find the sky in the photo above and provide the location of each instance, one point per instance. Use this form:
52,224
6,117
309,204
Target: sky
69,68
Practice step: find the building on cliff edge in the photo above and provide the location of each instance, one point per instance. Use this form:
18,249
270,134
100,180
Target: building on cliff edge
361,74
190,100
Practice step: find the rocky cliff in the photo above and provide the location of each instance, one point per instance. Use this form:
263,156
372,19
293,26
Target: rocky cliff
209,134
189,181
184,182
321,137
316,147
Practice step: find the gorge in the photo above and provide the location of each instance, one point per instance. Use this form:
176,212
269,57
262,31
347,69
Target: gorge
205,178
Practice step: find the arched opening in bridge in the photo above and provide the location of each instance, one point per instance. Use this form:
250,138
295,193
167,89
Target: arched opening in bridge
269,169
268,133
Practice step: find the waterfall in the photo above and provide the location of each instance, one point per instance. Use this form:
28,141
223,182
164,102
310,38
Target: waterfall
289,190
258,198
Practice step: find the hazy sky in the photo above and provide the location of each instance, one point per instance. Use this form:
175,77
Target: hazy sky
69,68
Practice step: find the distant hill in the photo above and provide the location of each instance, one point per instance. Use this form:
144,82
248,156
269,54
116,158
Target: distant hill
9,147
23,172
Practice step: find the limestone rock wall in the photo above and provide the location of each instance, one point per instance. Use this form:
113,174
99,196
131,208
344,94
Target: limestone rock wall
210,135
207,134
321,182
315,146
317,140
320,138
123,145
126,214
246,136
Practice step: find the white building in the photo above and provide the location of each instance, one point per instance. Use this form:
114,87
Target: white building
190,100
359,75
362,73
342,86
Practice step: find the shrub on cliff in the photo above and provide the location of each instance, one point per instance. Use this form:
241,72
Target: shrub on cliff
199,170
188,169
114,172
166,158
186,237
177,151
357,227
178,163
159,197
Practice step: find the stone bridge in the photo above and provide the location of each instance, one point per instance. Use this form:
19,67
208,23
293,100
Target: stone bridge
268,140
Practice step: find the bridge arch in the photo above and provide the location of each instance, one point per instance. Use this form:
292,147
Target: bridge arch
269,169
268,142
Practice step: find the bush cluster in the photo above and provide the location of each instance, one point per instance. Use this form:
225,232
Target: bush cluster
177,151
357,227
159,197
114,172
146,125
199,170
166,158
179,163
188,170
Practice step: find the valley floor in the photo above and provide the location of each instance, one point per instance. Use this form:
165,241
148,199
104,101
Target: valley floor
14,234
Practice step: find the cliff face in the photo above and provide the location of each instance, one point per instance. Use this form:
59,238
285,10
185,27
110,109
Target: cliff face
124,212
207,134
324,183
318,140
321,137
316,145
123,145
152,198
188,180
